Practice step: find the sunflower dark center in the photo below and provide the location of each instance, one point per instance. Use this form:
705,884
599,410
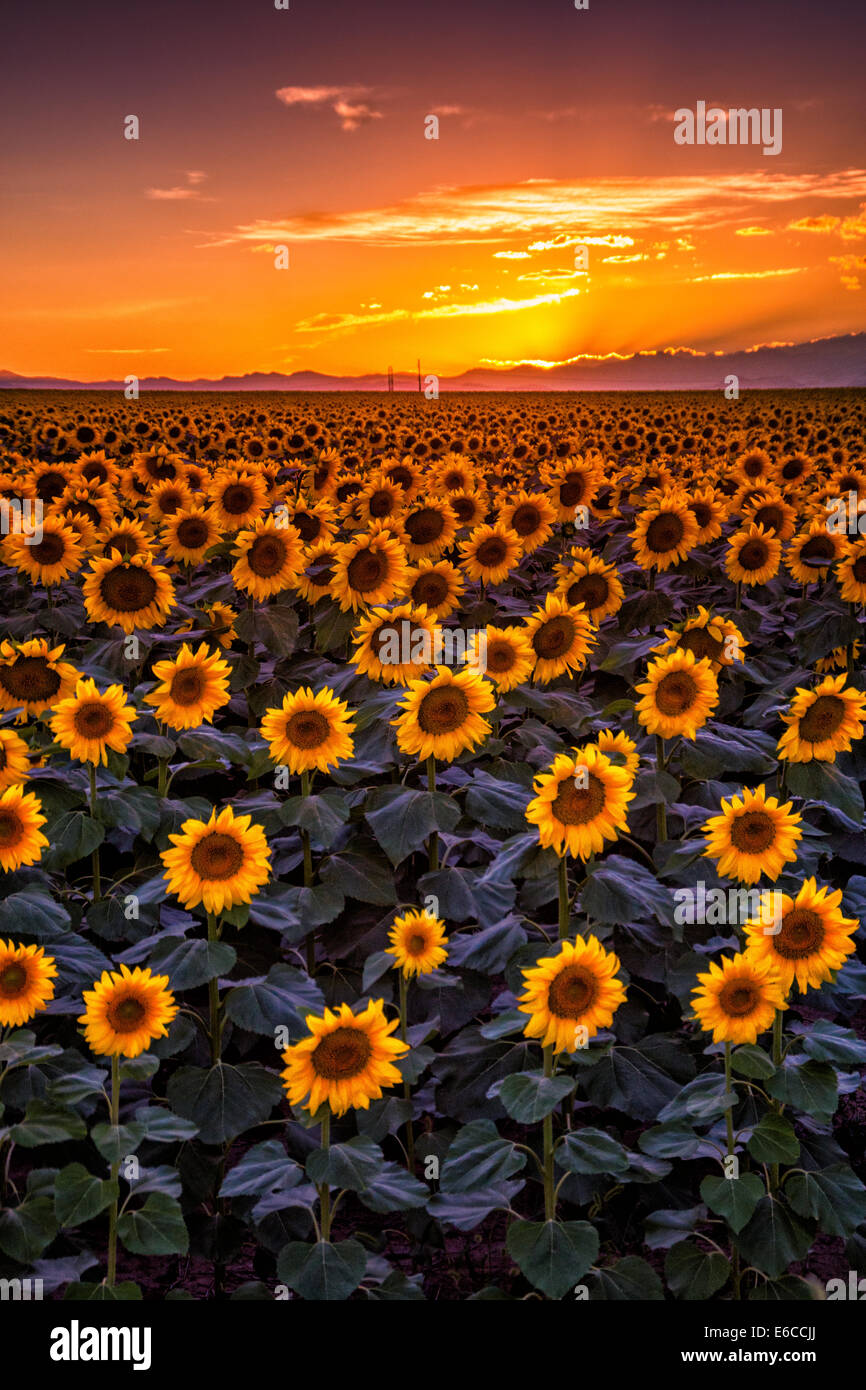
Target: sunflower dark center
307,729
753,832
381,504
822,719
126,1015
217,856
342,1054
739,998
49,550
772,518
237,499
187,686
753,555
665,532
30,678
500,655
575,805
431,589
702,514
266,556
366,570
818,548
464,508
676,693
425,526
571,492
416,945
128,589
93,720
553,637
13,980
308,524
11,827
699,641
526,519
858,569
592,591
443,710
572,992
492,552
193,533
802,933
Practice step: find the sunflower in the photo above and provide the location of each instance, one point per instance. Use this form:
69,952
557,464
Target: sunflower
753,835
705,634
237,498
192,687
368,570
126,535
753,466
811,939
321,477
562,637
32,677
851,573
429,527
309,731
442,717
709,511
133,593
822,722
380,498
608,742
813,551
314,521
437,584
267,558
679,695
418,943
578,988
531,516
26,983
593,583
504,654
470,508
126,1011
21,840
89,723
581,802
572,483
838,659
189,534
14,759
314,580
345,1062
220,862
490,553
753,555
773,513
167,499
51,559
737,999
664,533
395,645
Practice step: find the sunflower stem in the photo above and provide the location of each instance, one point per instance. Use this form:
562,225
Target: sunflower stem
407,1089
661,810
215,1028
111,1268
433,842
777,1104
162,781
324,1190
738,601
783,779
729,1115
563,896
94,859
651,581
308,877
547,1144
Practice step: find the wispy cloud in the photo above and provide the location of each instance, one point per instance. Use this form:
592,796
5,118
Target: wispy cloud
553,211
345,102
753,231
750,274
180,192
329,323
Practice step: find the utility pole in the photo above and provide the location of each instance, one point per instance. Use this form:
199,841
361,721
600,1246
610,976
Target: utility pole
419,374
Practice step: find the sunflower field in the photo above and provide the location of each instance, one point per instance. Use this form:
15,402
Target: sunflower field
432,846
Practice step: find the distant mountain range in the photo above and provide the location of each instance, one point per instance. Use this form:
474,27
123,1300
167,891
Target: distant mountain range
839,362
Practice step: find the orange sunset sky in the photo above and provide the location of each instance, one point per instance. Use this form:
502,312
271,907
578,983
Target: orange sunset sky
306,128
